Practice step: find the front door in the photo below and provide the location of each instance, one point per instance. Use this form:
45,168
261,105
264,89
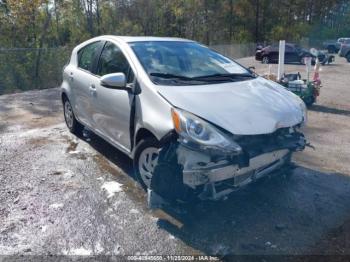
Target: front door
289,54
112,107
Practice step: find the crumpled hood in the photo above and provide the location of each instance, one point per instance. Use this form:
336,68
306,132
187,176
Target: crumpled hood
250,107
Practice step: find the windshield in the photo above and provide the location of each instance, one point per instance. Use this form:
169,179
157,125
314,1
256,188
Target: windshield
179,62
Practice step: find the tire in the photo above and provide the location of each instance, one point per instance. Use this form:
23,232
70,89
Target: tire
309,101
265,60
302,60
145,160
72,123
348,57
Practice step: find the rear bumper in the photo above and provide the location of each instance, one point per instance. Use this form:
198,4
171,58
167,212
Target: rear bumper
258,55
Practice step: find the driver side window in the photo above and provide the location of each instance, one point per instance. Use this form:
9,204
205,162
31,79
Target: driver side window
112,60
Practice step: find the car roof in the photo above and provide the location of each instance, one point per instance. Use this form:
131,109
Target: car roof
129,39
276,45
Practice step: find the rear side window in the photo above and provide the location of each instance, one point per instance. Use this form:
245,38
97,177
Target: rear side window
86,56
112,60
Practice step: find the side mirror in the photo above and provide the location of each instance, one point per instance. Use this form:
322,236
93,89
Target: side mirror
115,80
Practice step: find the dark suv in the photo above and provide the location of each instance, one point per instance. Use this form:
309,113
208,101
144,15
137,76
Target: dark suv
293,54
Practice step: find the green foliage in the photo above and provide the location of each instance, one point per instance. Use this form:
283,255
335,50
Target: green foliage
65,23
209,21
17,69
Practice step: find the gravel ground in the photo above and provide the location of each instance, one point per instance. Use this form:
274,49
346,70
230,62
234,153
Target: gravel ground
67,195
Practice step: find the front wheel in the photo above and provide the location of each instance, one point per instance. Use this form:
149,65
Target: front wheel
309,101
145,161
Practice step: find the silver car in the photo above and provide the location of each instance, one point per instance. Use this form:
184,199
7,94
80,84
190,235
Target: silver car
195,122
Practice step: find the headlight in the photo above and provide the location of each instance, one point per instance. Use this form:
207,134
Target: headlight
194,131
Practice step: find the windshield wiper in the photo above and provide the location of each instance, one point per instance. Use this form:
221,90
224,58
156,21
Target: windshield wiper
169,76
222,76
205,78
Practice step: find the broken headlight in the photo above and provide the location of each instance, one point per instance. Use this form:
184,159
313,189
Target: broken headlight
194,131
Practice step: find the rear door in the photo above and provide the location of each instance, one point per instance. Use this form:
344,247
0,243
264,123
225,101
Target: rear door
112,107
85,81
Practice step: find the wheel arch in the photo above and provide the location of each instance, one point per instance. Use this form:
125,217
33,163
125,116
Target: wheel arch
65,90
143,133
64,96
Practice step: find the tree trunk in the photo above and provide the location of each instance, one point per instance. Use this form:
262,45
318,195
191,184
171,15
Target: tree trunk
98,17
41,43
231,20
206,19
257,21
58,37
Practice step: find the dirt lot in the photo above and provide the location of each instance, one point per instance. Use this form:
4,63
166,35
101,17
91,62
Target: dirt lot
61,194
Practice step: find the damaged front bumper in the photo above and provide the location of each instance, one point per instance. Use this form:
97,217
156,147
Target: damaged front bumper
213,176
223,178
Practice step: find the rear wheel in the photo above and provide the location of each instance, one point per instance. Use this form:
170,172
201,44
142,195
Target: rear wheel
73,125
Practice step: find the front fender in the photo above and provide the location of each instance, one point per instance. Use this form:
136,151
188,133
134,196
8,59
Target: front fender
153,113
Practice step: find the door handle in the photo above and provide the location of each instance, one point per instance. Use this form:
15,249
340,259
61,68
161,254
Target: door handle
92,89
71,78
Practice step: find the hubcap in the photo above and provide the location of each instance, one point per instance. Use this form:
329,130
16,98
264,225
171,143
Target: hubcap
68,114
265,60
147,161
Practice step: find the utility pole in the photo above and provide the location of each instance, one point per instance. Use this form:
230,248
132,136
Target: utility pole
257,12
